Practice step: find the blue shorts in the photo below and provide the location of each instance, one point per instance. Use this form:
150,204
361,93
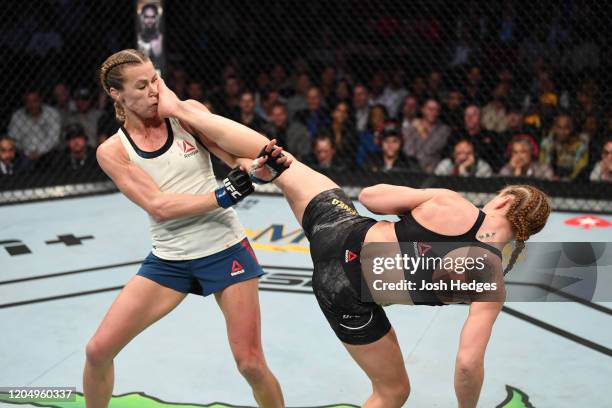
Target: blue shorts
206,275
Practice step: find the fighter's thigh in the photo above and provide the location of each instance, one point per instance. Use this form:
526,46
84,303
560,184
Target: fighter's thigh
141,303
300,184
240,306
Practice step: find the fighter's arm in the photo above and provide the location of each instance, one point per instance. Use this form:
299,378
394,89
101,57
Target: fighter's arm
390,199
469,365
140,188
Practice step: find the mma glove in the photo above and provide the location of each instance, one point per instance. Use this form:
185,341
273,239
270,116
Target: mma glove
271,164
236,186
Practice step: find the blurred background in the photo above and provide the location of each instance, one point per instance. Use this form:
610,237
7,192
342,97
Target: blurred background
467,95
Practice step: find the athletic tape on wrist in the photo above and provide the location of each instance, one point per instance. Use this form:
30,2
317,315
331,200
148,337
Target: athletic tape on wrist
223,198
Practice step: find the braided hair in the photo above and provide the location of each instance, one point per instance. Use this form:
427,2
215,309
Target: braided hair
527,215
111,73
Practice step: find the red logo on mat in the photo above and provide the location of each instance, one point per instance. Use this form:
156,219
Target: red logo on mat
237,269
423,248
588,222
350,256
185,146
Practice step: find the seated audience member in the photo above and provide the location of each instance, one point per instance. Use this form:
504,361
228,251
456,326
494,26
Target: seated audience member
324,154
464,163
361,107
489,145
248,117
410,111
564,150
391,158
369,140
452,112
343,132
63,102
523,161
12,162
76,157
315,116
36,127
294,136
86,115
494,115
517,126
603,169
426,138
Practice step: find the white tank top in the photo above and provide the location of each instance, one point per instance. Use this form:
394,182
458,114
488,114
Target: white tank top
182,165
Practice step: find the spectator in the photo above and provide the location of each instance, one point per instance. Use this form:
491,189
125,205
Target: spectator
62,102
269,98
395,92
361,107
298,101
494,117
35,127
280,82
452,113
464,163
391,158
517,126
342,93
603,169
343,133
324,155
294,135
12,162
107,124
76,157
369,140
86,115
434,85
328,80
523,161
489,145
378,82
248,116
315,117
410,109
426,138
227,102
564,150
474,90
418,89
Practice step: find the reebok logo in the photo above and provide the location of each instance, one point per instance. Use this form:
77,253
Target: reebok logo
423,248
350,256
231,189
237,269
187,148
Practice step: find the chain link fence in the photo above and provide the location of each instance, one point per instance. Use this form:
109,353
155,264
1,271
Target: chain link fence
465,95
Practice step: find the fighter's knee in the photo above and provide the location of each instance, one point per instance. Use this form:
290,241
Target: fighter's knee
251,365
395,394
97,353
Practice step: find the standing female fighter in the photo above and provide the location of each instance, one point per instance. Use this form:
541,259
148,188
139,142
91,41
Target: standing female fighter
333,226
199,246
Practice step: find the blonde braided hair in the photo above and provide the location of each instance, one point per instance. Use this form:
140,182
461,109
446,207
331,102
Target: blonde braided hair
527,215
111,74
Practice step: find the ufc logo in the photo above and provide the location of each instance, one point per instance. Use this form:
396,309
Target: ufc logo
231,189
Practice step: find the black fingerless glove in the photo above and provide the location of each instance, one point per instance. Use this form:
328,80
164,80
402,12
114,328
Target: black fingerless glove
236,186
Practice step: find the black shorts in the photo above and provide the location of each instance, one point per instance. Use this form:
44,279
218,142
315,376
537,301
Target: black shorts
335,231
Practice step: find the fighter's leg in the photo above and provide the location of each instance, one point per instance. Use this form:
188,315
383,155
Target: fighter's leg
382,361
141,303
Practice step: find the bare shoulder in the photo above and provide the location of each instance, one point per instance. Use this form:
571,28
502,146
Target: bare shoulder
111,149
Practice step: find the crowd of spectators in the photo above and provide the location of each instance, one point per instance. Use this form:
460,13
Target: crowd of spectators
387,124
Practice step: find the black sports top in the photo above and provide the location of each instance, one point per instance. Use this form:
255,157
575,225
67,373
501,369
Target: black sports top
417,241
